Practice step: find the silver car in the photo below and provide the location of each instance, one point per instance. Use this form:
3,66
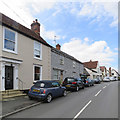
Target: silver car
106,79
112,79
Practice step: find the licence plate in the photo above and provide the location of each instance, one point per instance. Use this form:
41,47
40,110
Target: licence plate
36,90
67,85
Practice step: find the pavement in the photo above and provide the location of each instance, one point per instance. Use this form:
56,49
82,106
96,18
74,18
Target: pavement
99,101
13,105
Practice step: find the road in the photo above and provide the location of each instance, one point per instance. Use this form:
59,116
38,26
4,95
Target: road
98,101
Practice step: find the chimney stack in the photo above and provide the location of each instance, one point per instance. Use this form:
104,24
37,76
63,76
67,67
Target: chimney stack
58,47
35,26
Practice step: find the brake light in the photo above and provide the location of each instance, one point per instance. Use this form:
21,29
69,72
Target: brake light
30,89
86,81
74,83
44,92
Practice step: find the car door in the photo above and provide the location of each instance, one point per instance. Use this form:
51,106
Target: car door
81,83
57,90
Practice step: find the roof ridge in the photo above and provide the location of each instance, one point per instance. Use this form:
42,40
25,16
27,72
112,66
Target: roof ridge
9,22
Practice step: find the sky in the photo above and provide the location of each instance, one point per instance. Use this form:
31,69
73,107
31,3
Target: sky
85,29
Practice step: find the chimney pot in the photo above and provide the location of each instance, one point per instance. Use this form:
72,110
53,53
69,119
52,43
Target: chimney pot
36,20
58,47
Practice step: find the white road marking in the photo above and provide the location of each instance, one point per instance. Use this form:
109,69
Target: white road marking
98,93
82,109
104,87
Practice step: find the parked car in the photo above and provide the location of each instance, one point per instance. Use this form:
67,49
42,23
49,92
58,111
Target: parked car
73,83
116,78
106,79
89,82
112,79
46,90
97,81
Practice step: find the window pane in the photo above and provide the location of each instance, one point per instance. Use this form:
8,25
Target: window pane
56,75
37,46
37,73
55,84
37,53
9,35
37,69
9,45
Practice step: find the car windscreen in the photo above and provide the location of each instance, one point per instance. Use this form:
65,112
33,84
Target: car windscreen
42,85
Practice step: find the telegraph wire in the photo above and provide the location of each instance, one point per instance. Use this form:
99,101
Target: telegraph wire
13,12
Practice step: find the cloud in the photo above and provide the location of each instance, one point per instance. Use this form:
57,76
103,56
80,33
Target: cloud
17,11
49,35
98,11
83,51
22,11
86,39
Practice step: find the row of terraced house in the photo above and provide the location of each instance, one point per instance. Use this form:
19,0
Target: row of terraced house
26,57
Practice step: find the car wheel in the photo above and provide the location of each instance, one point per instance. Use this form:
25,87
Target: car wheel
83,87
64,93
30,98
49,98
77,88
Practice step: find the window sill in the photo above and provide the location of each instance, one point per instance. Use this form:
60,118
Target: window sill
9,51
40,59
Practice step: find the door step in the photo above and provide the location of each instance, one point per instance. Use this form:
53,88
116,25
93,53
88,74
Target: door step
11,94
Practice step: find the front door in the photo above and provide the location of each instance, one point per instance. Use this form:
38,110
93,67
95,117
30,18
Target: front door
61,76
8,77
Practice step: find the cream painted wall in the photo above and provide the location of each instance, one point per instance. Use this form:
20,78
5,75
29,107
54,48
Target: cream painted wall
0,55
1,40
25,48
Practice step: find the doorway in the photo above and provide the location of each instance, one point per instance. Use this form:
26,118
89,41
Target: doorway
9,77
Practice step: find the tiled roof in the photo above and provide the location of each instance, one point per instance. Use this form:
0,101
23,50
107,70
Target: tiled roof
8,22
91,64
59,52
102,68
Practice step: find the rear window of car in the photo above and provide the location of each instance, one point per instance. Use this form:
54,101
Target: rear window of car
42,85
55,84
88,79
69,80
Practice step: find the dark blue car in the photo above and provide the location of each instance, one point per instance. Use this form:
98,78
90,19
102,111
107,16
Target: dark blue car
88,82
46,90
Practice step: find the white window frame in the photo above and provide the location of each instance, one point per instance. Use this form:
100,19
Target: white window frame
62,60
7,50
34,72
74,64
56,75
40,50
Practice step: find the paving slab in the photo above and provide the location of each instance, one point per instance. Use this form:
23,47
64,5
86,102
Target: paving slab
13,104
